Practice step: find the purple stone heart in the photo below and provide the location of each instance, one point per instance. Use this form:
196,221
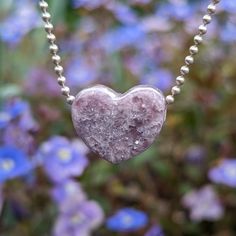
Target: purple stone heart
118,126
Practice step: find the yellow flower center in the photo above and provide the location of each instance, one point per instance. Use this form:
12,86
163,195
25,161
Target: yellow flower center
70,188
76,219
127,220
7,164
232,171
64,155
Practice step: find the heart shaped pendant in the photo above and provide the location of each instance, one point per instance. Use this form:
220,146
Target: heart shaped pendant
118,126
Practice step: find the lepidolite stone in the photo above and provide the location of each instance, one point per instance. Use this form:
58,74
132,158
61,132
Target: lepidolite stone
118,126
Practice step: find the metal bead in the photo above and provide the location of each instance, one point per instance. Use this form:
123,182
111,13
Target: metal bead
61,80
180,80
51,38
206,19
48,27
59,70
43,5
198,39
65,91
202,29
193,50
184,70
189,60
211,8
46,16
170,99
70,99
53,48
175,90
56,59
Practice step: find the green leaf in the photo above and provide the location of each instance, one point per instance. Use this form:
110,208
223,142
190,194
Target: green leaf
58,9
99,173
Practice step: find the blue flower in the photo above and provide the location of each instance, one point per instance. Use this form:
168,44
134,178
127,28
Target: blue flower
224,173
179,10
155,230
79,73
204,204
87,3
140,2
123,13
67,191
228,33
39,82
13,163
127,220
195,154
17,108
14,135
229,6
17,25
78,218
161,79
62,159
122,37
5,118
27,122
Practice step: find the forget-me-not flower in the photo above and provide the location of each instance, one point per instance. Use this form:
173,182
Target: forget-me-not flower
88,3
203,204
123,13
20,110
19,23
155,230
228,6
224,173
123,36
67,191
228,32
61,159
127,220
161,79
78,218
80,73
13,163
179,10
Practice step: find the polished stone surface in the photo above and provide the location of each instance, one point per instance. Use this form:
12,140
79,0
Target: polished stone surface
118,126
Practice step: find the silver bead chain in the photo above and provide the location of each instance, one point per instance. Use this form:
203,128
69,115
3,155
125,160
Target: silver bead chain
184,70
46,16
193,50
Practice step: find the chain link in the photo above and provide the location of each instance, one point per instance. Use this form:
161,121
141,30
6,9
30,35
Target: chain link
184,70
65,90
193,50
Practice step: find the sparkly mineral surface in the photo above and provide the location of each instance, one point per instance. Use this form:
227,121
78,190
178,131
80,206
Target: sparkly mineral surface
118,126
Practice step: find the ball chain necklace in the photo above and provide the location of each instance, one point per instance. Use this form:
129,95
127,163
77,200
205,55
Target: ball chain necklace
120,126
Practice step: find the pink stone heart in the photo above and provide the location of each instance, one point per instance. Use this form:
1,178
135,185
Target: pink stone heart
118,126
